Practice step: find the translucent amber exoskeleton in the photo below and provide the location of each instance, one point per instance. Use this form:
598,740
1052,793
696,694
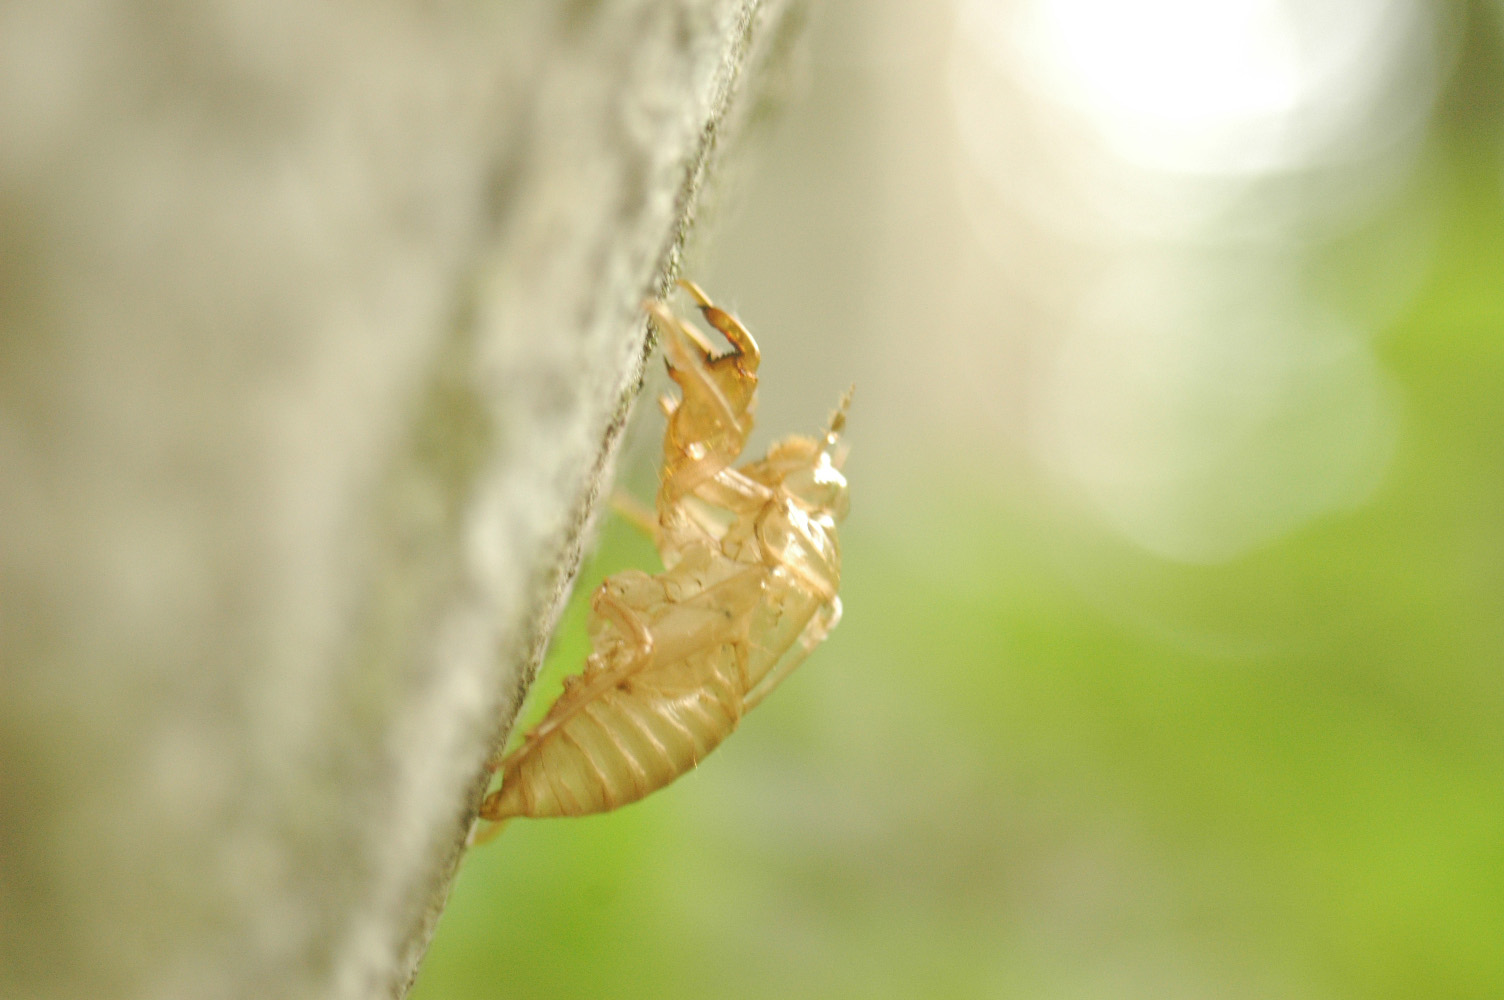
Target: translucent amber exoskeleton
752,570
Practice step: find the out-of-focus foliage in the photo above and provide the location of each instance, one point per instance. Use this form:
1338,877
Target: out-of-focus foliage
1041,758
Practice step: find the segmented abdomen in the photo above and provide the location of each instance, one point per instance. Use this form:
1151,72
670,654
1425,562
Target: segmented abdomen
623,744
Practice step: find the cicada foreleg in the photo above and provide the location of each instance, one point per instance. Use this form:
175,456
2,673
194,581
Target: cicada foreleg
729,326
691,367
708,427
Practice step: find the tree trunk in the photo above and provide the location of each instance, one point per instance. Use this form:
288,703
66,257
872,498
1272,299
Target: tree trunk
318,325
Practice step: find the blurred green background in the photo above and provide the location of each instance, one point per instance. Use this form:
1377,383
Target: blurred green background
1173,658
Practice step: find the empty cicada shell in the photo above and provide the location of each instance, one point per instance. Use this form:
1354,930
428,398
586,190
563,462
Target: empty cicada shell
749,588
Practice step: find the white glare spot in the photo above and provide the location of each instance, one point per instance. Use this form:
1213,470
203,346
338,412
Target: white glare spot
1151,177
1231,86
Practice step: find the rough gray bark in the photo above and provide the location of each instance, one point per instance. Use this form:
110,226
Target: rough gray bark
317,327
